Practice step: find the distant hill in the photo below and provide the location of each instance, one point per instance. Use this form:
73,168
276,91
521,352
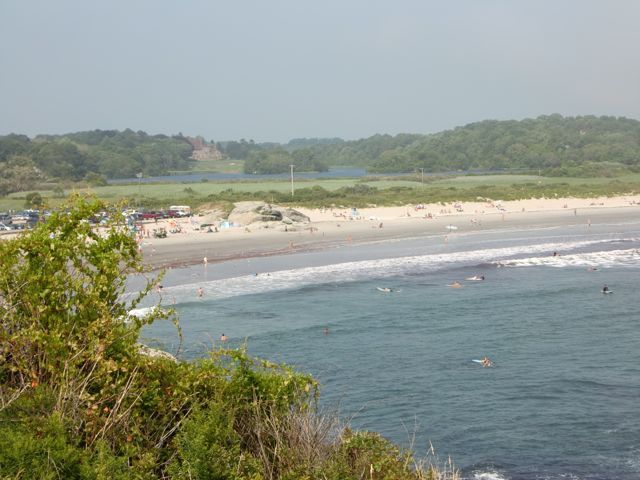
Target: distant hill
551,144
554,144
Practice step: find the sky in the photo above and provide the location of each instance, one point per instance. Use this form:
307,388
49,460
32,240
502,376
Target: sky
281,69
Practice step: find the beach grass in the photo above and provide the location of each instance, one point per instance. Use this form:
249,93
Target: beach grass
383,190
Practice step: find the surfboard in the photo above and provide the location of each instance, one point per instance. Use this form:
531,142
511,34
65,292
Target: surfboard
608,291
385,289
477,361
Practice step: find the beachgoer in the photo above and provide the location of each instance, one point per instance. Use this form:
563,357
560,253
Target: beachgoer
223,338
555,254
200,291
205,261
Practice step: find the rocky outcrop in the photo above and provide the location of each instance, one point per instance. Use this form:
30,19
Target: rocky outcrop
155,353
246,213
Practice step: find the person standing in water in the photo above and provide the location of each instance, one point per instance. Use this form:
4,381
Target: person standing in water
223,338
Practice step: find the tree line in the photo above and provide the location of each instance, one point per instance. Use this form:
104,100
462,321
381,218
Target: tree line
92,156
552,144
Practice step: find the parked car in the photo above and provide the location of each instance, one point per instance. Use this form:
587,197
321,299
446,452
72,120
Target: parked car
149,215
5,227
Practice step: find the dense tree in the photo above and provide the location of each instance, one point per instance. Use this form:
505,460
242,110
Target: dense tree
551,144
279,161
17,174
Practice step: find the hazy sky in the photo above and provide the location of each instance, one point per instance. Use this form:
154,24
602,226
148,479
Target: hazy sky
273,70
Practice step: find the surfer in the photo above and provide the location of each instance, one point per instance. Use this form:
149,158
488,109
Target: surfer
455,285
605,289
200,291
486,362
326,330
385,289
223,338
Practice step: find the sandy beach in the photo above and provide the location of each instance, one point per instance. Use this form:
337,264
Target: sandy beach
346,226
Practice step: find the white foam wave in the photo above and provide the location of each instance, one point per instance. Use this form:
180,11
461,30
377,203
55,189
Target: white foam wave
489,476
388,267
603,259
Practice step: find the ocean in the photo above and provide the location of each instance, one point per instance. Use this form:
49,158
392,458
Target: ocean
562,400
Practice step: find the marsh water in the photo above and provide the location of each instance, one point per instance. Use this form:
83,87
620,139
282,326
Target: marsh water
563,397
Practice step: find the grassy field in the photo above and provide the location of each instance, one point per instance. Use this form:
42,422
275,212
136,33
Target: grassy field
433,188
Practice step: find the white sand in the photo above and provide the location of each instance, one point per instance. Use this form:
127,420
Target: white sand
338,226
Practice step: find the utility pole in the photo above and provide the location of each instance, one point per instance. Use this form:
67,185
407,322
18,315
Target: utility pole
292,179
139,175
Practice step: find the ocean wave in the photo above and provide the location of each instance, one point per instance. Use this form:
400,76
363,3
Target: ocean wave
341,273
602,259
489,476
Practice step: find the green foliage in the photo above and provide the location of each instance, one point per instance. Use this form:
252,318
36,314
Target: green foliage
42,451
33,200
546,142
95,179
279,161
98,154
79,398
208,447
17,174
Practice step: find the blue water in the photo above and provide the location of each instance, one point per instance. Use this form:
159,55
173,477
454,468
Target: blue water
563,399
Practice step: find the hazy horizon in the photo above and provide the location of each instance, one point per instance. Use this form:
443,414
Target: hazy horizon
287,69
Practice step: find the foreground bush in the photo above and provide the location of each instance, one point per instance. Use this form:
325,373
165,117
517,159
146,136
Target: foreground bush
80,399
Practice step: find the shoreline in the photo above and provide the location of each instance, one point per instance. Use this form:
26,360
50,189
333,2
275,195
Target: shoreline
336,227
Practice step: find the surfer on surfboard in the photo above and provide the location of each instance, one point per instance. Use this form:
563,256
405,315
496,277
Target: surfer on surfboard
605,289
